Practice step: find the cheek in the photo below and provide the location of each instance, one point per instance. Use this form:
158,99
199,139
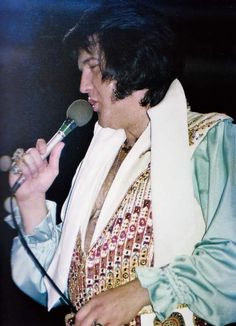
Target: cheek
108,88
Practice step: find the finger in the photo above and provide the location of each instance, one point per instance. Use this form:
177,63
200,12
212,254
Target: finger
27,165
55,156
41,146
84,316
91,320
36,158
87,321
91,314
19,152
15,170
33,161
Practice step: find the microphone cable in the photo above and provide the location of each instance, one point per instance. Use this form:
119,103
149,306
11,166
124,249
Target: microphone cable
35,260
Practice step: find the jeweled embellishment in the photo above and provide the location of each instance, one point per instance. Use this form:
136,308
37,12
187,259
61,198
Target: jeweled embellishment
125,243
175,319
199,322
199,125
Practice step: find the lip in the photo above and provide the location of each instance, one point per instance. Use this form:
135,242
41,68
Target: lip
93,103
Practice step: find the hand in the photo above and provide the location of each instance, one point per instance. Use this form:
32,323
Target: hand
114,307
39,173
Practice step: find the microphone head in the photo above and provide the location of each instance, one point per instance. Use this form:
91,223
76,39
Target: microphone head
5,163
80,111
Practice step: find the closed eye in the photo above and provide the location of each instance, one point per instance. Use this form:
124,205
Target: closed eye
94,66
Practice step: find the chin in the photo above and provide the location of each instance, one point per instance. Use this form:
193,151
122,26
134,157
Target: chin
104,124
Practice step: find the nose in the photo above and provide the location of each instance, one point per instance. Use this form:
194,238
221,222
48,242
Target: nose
85,81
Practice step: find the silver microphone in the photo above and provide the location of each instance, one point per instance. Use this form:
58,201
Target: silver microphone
78,114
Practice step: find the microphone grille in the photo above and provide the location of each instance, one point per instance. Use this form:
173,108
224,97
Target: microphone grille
5,163
80,111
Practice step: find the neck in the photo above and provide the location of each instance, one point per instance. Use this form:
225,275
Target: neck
136,118
134,133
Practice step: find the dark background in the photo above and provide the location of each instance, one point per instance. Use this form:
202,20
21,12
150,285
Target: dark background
38,82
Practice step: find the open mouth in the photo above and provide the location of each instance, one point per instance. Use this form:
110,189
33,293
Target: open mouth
93,103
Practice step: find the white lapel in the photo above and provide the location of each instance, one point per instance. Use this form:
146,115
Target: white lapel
177,218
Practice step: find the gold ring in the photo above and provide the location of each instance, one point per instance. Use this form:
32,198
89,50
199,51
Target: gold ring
18,154
15,169
95,323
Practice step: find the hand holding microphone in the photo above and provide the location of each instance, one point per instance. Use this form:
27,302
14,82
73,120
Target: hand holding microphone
28,165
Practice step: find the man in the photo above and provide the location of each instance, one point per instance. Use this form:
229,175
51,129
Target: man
148,226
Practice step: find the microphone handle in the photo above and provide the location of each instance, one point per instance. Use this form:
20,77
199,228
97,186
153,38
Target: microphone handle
52,143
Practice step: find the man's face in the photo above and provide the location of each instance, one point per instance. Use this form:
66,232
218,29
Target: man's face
111,112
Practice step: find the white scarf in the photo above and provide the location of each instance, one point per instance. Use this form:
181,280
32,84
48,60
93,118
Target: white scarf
176,214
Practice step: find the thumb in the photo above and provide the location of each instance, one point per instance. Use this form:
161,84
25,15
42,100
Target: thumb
53,163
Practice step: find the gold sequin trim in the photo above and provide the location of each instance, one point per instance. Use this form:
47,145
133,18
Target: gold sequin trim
175,319
198,126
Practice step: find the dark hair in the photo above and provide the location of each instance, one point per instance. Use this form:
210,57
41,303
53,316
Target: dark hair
137,43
